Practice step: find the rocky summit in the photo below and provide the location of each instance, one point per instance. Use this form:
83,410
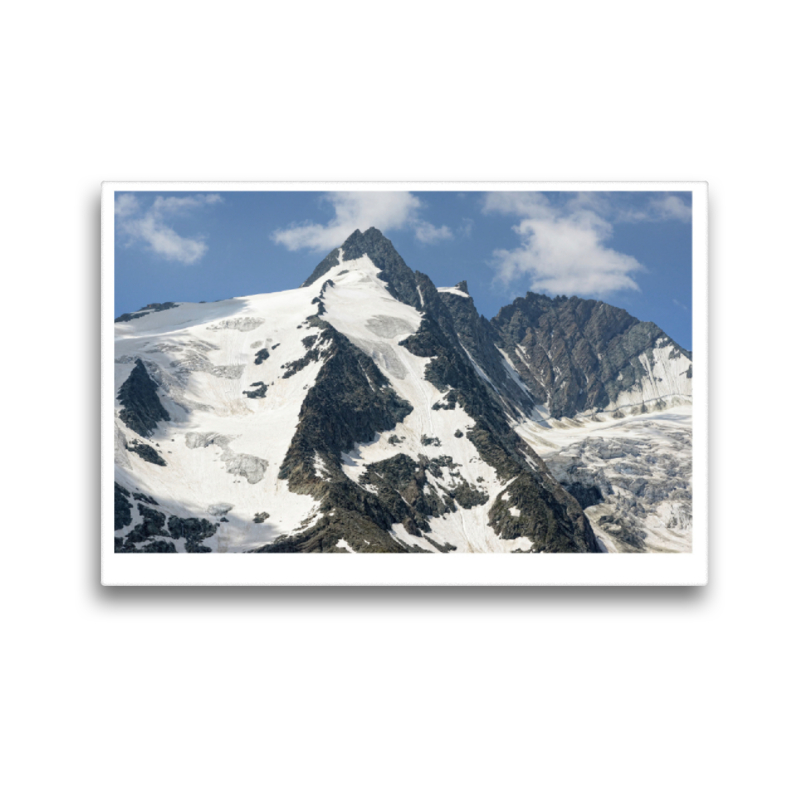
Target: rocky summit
370,411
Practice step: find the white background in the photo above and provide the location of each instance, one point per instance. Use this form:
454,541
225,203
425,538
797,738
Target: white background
555,693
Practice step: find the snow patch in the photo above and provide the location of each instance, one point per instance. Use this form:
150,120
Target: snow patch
452,290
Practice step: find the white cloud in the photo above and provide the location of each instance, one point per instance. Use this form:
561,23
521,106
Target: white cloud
383,210
627,207
430,234
125,205
149,227
563,248
671,207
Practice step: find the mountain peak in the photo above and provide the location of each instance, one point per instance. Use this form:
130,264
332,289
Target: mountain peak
354,246
397,275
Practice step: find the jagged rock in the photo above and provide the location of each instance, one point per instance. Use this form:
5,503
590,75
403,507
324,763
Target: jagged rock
194,531
147,453
122,508
575,355
145,310
259,392
145,498
141,408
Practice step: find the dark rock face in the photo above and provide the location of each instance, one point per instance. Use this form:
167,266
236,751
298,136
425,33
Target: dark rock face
145,310
151,525
548,516
158,546
575,349
122,508
350,402
150,533
411,491
194,531
144,498
259,391
313,354
586,495
141,408
147,453
476,335
262,355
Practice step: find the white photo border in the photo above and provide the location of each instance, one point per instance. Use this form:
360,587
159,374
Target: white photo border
368,569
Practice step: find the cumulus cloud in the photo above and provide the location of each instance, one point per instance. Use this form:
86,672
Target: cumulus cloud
564,239
151,228
386,211
563,249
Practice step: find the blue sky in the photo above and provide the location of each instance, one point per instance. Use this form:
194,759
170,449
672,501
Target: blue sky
630,249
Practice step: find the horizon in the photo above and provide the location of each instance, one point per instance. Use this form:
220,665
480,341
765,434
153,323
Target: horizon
631,250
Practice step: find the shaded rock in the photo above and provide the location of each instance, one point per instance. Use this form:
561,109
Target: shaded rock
122,508
147,453
141,408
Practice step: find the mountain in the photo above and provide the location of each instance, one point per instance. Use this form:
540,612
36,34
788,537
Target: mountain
369,411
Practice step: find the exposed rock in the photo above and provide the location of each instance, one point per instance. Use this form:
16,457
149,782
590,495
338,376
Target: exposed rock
575,355
145,310
144,498
147,453
141,408
194,531
350,402
259,392
122,508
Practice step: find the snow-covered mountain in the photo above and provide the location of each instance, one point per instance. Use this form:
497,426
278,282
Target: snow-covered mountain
369,411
